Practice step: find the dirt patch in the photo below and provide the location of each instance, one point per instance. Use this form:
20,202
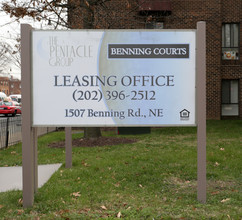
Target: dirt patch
95,142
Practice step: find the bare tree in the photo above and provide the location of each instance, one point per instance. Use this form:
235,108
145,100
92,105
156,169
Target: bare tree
52,12
87,14
5,55
14,53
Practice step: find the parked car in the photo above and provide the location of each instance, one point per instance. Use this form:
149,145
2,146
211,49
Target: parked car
16,97
9,107
18,107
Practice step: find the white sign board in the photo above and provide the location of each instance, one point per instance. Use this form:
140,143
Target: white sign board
113,78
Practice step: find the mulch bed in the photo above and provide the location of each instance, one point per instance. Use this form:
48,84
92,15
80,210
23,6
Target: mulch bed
95,142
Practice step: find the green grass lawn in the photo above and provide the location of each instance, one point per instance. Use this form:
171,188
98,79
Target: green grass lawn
154,178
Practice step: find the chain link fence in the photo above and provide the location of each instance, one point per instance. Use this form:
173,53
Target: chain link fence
10,131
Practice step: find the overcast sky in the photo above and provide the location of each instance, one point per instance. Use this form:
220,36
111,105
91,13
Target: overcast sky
9,31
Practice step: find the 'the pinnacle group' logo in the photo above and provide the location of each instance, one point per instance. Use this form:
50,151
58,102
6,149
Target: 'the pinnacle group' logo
63,54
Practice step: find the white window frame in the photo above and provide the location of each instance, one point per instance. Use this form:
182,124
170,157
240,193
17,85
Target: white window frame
230,104
230,41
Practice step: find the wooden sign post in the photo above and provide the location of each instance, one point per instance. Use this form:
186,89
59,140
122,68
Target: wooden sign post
201,111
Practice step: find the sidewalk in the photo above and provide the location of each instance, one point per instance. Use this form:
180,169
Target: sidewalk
11,177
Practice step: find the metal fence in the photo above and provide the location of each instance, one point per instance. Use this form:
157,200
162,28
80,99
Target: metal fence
10,131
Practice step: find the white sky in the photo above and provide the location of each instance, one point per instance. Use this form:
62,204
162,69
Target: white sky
9,31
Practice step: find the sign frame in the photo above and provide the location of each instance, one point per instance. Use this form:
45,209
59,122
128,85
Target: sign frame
131,122
29,137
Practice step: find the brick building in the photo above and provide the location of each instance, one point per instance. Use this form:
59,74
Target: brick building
224,38
10,85
14,86
4,85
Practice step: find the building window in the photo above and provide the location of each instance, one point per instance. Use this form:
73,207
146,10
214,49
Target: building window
154,25
230,41
230,97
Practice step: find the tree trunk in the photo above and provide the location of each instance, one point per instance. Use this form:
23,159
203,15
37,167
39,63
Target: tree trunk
92,132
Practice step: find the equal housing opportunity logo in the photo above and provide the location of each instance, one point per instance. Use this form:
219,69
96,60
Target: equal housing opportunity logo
117,51
184,115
